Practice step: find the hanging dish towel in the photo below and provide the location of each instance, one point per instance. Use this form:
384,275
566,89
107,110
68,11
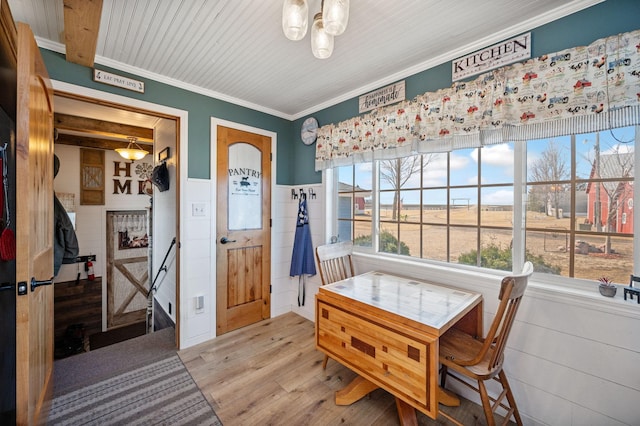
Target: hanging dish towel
302,261
7,237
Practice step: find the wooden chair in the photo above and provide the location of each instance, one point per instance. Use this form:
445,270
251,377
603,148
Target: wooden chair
335,264
482,359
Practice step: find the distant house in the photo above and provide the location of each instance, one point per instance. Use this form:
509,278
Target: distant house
351,202
615,197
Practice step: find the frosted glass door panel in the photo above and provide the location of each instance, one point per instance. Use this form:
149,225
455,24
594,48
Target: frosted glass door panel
245,187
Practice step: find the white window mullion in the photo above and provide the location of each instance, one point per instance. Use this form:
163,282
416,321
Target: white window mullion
636,197
375,207
519,204
330,179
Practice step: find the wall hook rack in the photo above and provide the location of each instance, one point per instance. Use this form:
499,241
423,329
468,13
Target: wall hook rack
302,195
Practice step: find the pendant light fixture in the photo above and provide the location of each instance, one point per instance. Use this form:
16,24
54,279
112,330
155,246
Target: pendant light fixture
331,21
132,151
295,19
335,16
321,42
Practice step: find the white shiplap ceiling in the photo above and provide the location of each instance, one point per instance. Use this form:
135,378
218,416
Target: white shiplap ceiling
235,50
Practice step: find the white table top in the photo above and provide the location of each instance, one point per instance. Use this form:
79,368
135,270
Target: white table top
431,304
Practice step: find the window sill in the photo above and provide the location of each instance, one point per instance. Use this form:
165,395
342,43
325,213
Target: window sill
585,294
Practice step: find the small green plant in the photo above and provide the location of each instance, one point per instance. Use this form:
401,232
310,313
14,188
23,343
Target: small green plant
493,256
388,243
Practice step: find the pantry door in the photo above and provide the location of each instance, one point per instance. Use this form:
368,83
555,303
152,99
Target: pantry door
243,229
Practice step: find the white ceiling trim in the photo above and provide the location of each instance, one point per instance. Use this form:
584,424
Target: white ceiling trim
540,20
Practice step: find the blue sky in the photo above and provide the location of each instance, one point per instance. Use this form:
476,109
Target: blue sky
497,168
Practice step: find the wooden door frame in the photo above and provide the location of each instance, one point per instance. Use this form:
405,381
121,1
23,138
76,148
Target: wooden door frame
215,122
181,151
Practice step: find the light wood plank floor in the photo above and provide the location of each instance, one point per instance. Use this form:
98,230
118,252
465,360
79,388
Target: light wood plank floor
270,373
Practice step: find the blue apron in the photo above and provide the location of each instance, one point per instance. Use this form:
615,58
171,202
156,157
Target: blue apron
302,260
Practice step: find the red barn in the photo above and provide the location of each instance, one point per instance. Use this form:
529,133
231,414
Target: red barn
615,197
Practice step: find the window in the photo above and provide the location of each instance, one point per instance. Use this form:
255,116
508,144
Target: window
579,217
459,207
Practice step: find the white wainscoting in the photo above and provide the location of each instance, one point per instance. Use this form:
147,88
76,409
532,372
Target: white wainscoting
199,262
285,288
199,257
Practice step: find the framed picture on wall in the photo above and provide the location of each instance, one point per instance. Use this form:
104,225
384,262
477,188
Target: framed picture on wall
92,177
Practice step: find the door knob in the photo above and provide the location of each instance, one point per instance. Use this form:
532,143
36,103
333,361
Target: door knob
225,240
35,283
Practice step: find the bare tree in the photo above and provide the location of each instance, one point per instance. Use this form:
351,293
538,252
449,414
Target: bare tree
397,172
551,167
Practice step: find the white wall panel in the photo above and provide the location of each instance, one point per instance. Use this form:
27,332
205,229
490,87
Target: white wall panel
198,264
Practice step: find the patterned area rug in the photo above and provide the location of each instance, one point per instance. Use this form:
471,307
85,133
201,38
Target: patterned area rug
162,393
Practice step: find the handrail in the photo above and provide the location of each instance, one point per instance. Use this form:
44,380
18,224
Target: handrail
162,268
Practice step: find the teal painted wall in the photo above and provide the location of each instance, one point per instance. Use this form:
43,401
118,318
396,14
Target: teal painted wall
201,109
579,29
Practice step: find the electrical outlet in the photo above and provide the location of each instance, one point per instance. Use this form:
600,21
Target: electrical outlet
198,209
199,304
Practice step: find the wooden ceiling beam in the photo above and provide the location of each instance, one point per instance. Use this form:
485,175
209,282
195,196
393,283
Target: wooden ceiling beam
95,143
101,127
81,26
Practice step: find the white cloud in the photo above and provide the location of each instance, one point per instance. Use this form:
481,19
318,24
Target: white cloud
502,197
500,155
459,162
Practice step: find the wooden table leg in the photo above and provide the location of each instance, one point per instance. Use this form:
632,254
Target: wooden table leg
354,391
448,398
406,413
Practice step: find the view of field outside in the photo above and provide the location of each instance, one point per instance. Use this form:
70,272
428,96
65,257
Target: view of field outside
446,202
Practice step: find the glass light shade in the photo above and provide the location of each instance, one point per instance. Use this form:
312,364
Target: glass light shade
295,19
132,151
321,42
335,16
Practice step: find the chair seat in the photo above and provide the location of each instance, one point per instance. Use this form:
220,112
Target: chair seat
457,346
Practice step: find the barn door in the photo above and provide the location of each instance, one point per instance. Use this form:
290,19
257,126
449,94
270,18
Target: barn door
128,267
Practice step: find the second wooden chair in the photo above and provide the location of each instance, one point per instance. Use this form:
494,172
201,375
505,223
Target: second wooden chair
481,359
335,264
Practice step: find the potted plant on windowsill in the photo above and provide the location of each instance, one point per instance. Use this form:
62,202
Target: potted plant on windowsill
607,287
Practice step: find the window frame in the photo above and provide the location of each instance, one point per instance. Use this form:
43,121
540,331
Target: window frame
519,228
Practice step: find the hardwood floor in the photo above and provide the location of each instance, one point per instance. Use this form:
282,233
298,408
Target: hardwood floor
271,374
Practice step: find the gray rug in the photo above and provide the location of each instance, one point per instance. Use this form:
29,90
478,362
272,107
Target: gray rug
87,368
162,393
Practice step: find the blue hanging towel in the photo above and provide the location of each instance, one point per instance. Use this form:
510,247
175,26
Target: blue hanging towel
302,260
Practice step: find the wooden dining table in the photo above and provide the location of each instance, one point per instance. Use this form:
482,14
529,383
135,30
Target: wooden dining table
386,327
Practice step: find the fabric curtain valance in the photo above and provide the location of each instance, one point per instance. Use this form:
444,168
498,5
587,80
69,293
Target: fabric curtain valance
583,89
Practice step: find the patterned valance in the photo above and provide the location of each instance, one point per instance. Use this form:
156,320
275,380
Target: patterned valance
584,89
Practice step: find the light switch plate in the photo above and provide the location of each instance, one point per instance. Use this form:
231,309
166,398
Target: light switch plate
198,209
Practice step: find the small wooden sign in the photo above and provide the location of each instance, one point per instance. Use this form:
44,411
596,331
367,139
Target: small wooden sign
385,96
118,81
509,51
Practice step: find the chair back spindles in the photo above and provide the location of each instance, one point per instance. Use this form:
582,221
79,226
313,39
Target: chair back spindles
334,261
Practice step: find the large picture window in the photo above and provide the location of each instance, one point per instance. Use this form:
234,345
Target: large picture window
459,207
